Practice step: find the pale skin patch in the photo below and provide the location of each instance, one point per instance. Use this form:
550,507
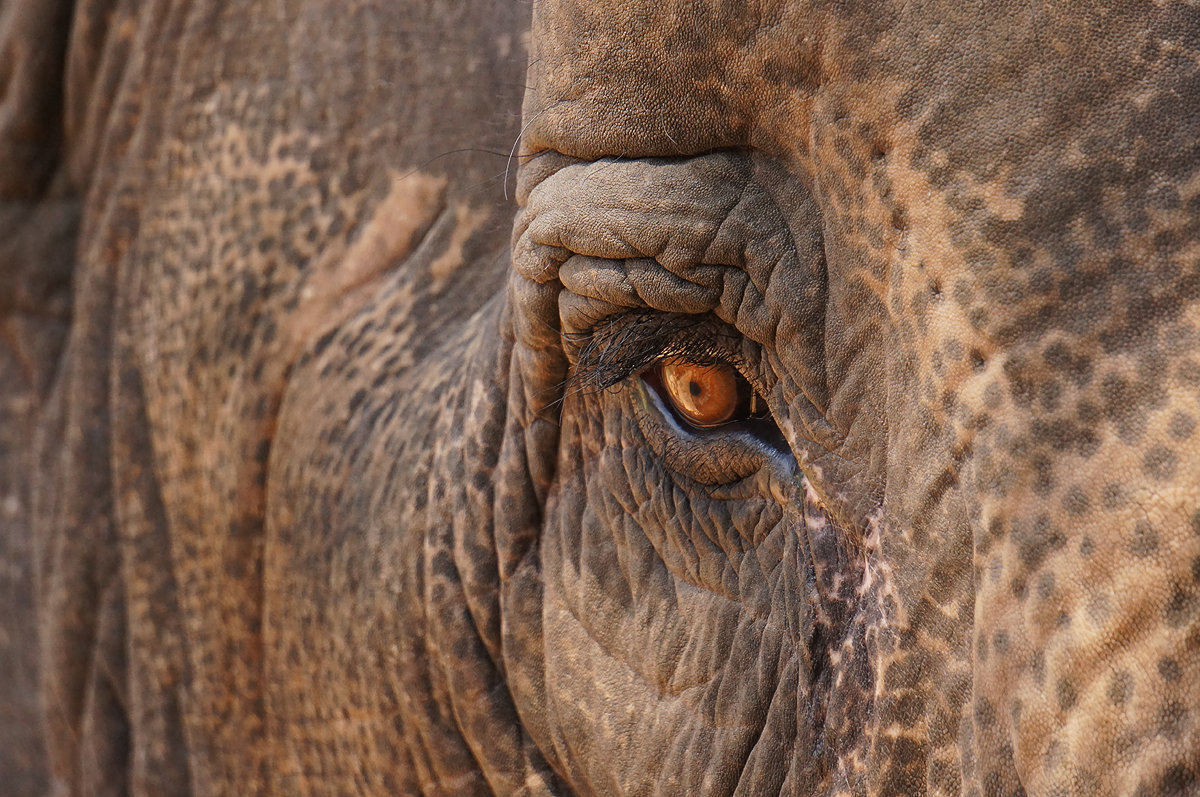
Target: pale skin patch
10,338
929,213
338,282
504,44
995,199
466,221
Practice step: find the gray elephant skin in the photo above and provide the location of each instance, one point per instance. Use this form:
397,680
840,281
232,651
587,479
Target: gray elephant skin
354,360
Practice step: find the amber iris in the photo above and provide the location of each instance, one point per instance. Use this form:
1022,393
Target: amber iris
705,395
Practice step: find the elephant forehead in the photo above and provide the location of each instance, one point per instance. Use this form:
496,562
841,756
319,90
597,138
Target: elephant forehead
659,78
1047,115
1051,100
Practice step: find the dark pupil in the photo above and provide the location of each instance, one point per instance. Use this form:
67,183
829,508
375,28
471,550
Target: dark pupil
694,388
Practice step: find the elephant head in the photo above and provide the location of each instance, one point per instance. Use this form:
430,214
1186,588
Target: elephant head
826,425
954,252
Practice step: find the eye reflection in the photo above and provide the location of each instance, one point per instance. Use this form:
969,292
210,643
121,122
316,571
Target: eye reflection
708,395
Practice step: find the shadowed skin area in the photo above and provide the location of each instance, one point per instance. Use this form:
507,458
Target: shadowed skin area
310,486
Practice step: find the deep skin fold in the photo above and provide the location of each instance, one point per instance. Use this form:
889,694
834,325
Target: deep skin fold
828,618
311,510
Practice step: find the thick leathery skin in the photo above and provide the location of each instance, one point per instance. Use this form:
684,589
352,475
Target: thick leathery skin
321,476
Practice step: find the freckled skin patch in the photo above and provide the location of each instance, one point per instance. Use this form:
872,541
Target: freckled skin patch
253,309
315,507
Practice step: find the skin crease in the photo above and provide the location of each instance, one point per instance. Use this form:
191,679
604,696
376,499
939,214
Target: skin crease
314,489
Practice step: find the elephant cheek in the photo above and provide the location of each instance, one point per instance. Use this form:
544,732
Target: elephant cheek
677,628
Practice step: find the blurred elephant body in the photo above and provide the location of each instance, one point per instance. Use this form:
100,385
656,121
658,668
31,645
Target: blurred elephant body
324,498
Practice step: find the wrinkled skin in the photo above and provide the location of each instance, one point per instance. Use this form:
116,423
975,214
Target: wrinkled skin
323,496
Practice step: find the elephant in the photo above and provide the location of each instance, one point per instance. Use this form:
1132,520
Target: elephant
674,397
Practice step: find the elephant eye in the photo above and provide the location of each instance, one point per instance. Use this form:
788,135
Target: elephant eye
686,365
705,395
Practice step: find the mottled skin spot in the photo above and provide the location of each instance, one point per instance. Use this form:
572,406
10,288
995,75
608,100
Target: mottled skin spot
315,502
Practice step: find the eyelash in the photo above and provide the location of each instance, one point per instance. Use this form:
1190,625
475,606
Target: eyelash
615,350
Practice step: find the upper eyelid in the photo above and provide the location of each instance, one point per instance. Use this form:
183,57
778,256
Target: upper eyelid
609,353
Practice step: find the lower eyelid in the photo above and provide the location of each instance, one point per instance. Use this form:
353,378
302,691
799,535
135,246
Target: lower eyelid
713,457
